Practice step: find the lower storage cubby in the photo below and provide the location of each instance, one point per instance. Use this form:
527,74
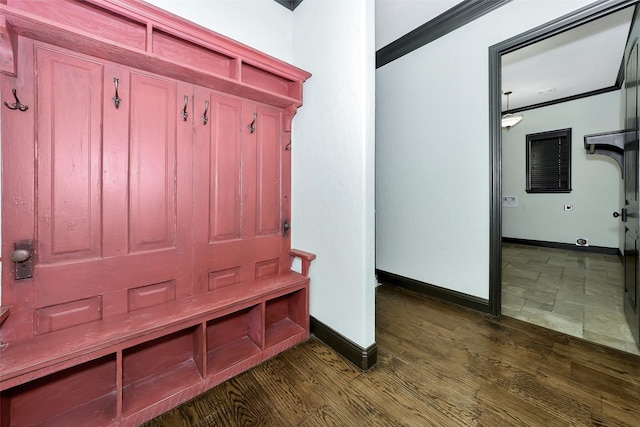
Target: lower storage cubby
234,340
157,369
286,317
146,364
85,394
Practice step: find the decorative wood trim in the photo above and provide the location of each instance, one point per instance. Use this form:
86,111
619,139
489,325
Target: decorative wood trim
8,48
305,257
287,121
363,358
566,246
446,295
184,29
25,20
441,25
4,313
289,4
578,17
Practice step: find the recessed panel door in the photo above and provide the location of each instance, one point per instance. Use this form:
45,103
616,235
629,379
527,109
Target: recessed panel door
238,191
98,190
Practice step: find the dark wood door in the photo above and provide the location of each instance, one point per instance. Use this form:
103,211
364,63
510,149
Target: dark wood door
630,216
238,208
104,193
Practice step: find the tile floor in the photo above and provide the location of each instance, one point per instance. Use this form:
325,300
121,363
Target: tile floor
578,293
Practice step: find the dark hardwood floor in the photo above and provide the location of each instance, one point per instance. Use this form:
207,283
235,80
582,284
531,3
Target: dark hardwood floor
437,365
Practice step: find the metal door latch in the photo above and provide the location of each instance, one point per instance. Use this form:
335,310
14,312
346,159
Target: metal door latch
22,259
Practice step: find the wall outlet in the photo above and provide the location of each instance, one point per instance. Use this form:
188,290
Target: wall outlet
582,241
568,207
510,201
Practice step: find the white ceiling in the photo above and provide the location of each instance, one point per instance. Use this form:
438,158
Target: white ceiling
582,60
578,61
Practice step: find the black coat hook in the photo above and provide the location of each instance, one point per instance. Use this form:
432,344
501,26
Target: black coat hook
116,99
251,126
16,105
204,117
184,114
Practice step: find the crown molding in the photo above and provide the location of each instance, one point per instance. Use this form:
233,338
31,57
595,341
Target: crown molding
439,26
289,4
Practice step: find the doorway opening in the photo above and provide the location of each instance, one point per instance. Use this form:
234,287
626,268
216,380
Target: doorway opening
497,256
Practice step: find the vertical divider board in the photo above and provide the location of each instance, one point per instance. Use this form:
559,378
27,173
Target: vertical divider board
119,384
263,325
200,348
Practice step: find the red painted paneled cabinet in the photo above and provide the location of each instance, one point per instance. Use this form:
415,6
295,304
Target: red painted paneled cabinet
145,211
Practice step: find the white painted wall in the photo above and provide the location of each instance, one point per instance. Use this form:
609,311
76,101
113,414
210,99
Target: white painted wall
432,151
262,24
595,179
333,162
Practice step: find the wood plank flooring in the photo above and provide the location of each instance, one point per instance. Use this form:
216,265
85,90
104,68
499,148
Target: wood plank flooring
438,365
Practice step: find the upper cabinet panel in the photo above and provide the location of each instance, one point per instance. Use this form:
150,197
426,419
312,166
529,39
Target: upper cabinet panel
152,163
268,176
83,16
139,35
168,46
69,146
257,77
224,169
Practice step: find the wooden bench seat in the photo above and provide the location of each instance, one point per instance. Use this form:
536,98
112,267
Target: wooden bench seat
198,341
48,353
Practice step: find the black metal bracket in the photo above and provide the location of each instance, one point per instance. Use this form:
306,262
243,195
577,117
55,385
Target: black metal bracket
610,144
